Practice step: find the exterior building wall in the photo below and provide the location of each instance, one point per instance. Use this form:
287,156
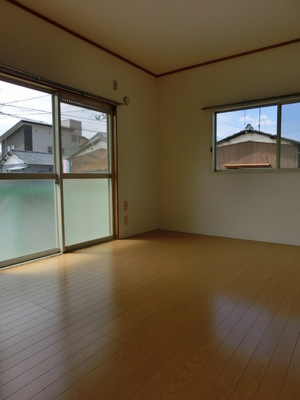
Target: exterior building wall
254,152
42,138
93,161
16,140
289,156
70,146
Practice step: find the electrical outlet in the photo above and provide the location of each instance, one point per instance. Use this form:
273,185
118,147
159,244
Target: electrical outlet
125,219
115,85
125,205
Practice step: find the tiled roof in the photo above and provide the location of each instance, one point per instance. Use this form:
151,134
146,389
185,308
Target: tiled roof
33,157
255,132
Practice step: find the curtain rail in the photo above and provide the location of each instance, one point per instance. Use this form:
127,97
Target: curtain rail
253,102
15,73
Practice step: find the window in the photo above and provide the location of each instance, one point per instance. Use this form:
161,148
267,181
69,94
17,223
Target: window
43,156
26,118
262,137
88,150
87,170
290,136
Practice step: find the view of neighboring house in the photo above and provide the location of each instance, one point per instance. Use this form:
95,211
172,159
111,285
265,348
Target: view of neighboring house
91,156
28,147
36,136
27,161
254,149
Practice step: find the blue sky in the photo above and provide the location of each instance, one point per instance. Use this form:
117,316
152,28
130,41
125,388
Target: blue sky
291,121
263,119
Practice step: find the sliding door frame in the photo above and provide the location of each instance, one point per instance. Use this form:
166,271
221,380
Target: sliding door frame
59,92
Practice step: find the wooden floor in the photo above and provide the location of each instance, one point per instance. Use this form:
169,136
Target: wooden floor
158,316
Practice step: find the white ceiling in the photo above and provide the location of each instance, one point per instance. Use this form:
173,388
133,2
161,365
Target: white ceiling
165,35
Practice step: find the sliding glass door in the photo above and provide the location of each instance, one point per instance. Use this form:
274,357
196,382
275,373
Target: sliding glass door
87,210
56,172
28,219
28,203
87,170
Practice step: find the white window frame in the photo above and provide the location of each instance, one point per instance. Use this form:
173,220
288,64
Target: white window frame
279,104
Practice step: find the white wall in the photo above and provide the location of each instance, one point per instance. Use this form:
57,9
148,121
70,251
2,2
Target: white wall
34,46
41,138
258,206
164,153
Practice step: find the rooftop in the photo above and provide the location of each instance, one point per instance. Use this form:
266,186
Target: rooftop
31,157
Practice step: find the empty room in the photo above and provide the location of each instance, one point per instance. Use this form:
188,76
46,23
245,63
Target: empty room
173,270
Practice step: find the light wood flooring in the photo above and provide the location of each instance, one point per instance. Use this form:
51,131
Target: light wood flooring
162,315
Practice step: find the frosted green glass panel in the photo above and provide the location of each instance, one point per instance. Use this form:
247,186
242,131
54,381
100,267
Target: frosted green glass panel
28,223
87,210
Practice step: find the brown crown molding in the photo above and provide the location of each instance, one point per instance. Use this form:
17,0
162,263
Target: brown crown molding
97,45
237,55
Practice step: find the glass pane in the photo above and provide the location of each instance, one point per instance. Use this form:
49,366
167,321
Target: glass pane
246,138
290,136
27,212
87,210
26,137
84,139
